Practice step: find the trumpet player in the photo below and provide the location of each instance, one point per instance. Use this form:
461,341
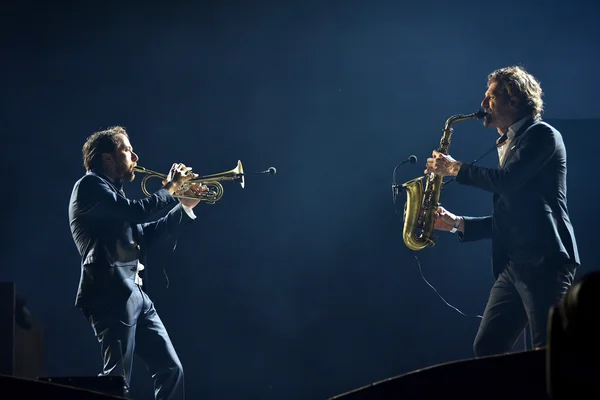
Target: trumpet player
112,236
534,251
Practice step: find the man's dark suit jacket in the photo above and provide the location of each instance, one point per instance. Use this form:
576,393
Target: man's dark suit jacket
530,221
112,233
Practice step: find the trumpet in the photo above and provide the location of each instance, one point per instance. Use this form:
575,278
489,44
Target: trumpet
213,182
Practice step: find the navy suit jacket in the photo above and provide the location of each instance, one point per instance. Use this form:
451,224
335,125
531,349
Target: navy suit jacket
112,233
530,220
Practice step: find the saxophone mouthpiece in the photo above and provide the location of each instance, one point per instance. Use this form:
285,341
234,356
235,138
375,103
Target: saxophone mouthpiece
479,114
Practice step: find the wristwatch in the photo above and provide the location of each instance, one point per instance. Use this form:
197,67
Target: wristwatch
456,224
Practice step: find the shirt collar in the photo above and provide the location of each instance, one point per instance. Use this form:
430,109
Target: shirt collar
514,128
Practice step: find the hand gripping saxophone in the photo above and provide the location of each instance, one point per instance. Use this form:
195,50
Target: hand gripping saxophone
422,205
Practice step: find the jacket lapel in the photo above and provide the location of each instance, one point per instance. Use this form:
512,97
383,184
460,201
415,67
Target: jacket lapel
514,143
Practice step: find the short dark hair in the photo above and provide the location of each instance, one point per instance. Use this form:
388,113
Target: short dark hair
521,87
100,142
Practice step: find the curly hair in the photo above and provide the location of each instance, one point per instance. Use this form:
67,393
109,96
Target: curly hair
521,87
100,142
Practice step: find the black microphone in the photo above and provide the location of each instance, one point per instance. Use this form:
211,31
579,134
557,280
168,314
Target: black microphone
412,159
395,187
270,170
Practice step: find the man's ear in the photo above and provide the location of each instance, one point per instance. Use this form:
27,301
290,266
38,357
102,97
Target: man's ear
106,157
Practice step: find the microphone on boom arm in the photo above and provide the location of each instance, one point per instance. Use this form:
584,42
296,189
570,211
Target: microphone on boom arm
395,187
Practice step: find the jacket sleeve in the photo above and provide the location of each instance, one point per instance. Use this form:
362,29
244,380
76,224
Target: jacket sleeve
166,225
95,198
532,154
476,228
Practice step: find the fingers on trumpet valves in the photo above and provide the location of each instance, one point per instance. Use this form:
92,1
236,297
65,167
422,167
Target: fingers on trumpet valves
197,190
185,171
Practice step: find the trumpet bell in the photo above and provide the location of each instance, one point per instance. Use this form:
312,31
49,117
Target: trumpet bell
236,174
240,171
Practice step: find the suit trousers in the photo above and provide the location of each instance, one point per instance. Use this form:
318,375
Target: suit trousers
135,328
522,295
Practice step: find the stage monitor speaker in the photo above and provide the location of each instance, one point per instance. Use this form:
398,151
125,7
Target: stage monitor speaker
21,338
573,356
512,376
111,385
14,388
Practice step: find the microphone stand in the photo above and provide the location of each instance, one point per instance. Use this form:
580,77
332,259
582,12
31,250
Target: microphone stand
395,187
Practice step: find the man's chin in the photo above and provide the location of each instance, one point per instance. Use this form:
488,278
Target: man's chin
130,176
488,121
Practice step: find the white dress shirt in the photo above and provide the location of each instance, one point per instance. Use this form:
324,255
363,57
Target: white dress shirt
512,131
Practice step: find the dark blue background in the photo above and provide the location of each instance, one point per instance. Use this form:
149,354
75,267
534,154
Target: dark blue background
299,285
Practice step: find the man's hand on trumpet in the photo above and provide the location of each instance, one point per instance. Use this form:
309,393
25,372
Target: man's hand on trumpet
195,189
178,175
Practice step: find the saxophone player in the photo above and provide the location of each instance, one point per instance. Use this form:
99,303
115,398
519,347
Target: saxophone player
534,251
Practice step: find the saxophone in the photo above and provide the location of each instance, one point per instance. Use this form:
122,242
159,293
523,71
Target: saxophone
422,205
